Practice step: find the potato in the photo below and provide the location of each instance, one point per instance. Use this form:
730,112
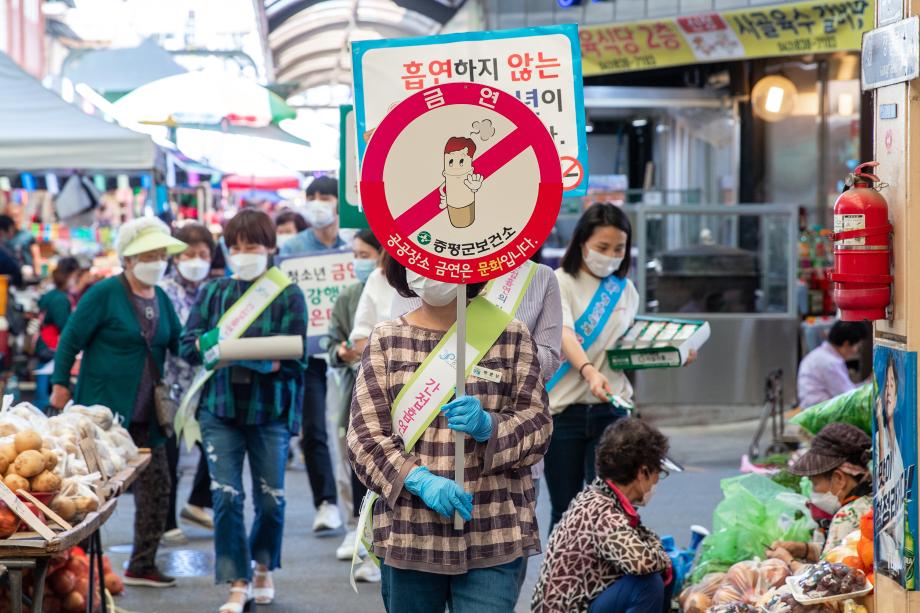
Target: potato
8,430
65,507
85,504
26,440
29,463
46,481
51,459
71,449
15,482
8,451
4,465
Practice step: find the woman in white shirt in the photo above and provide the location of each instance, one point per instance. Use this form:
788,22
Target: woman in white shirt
586,395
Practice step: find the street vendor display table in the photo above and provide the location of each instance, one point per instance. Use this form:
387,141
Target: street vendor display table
28,551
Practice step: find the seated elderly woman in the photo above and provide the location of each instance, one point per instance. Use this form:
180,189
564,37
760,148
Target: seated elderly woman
600,557
838,465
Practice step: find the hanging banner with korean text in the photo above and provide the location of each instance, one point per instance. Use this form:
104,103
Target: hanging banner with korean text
351,215
540,66
795,28
894,429
321,277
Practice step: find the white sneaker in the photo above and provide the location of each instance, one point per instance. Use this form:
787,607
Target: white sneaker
367,572
174,537
347,548
327,518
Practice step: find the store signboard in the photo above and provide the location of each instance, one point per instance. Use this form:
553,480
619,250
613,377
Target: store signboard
890,11
540,66
788,29
321,277
894,431
890,54
351,215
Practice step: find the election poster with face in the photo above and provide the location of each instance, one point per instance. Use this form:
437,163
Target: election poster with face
894,431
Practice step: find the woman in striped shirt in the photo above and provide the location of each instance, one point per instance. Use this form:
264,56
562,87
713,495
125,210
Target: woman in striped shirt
425,561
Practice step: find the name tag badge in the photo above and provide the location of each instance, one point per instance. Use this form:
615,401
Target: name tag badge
489,375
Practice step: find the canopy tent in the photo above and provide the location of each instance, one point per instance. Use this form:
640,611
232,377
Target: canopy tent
39,131
117,71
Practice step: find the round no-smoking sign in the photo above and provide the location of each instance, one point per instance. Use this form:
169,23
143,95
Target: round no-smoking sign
461,182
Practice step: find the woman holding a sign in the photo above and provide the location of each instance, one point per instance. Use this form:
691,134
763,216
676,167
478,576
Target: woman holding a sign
248,407
401,444
585,394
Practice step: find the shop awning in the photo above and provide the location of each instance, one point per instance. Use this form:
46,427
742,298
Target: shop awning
39,131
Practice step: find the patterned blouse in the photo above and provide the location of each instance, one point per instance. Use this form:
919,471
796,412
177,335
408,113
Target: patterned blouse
183,295
407,534
598,540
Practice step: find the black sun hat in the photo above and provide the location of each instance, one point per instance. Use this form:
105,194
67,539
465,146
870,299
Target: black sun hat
836,444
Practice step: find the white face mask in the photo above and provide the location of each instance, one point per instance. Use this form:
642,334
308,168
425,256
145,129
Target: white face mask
601,265
826,501
432,292
249,266
194,270
282,239
319,214
150,273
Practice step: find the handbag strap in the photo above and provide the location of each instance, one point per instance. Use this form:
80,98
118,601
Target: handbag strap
140,325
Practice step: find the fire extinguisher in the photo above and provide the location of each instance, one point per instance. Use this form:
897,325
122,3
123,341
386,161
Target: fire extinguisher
862,249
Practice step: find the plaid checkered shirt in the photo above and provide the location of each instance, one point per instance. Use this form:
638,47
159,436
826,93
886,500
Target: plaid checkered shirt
409,535
268,397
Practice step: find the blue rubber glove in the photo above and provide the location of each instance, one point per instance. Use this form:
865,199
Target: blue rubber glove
465,414
260,366
441,495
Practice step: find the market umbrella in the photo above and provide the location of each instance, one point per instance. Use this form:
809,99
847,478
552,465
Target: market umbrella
204,98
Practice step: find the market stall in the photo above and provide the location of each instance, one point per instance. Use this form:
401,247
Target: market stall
63,476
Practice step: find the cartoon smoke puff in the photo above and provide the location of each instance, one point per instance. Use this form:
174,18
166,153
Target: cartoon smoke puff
461,182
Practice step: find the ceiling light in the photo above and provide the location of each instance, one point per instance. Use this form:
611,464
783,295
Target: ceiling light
639,123
773,98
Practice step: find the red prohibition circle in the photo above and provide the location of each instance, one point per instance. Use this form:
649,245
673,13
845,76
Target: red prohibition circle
526,125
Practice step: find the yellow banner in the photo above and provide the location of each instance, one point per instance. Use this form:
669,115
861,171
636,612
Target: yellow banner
786,29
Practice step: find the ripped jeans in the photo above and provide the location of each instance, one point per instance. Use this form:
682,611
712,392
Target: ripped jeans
226,443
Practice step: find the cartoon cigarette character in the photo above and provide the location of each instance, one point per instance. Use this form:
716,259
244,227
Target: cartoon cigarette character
458,191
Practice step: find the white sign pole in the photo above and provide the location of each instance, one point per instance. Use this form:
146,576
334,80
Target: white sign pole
459,442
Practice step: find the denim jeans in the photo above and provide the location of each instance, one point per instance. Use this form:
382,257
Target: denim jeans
226,444
634,594
314,441
570,457
481,590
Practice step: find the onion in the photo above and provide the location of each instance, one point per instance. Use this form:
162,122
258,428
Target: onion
74,602
62,582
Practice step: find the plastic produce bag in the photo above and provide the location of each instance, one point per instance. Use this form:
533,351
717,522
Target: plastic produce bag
853,407
698,598
754,513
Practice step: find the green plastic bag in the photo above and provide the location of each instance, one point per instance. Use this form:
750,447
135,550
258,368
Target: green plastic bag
753,514
853,407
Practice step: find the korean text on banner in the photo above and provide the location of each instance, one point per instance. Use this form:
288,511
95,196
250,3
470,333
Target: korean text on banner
540,66
797,28
351,215
321,277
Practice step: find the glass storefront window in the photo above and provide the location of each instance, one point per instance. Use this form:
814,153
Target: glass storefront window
696,260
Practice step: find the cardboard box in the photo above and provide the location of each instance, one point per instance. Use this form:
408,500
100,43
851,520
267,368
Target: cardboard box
655,342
